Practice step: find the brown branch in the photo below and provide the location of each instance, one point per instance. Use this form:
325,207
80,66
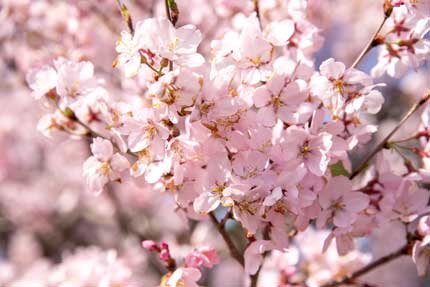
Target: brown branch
384,142
231,247
226,217
381,261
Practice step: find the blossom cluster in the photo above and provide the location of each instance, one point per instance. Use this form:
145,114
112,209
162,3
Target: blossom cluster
245,124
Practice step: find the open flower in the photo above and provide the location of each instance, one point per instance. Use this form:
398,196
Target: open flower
203,256
254,255
421,255
104,166
41,81
340,203
184,277
175,44
303,147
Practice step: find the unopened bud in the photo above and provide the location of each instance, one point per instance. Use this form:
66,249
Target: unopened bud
388,8
164,62
68,113
150,245
115,62
164,255
164,245
379,40
143,59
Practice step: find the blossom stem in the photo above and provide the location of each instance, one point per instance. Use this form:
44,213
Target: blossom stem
412,137
169,16
257,11
381,261
166,4
384,142
372,43
126,16
231,247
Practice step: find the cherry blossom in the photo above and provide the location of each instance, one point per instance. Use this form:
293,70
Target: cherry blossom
421,255
340,203
103,166
233,131
184,277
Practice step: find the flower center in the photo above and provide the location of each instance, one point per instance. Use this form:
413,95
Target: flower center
217,189
305,148
338,86
256,61
105,168
338,205
172,46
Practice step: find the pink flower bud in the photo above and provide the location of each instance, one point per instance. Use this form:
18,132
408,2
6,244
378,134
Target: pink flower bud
164,245
150,245
164,255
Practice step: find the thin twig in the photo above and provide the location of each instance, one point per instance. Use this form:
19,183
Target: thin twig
384,142
126,16
257,11
381,261
370,44
169,16
166,4
231,247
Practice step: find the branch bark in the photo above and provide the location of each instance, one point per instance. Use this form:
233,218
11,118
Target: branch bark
384,142
230,245
381,261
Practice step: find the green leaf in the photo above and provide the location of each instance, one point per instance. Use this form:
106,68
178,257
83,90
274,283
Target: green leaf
338,169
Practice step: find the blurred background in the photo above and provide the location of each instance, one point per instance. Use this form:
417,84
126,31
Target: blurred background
51,227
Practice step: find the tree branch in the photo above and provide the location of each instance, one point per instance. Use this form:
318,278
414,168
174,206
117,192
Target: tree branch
384,142
373,42
381,261
231,247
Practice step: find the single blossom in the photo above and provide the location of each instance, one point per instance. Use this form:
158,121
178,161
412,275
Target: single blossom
104,166
421,255
203,256
184,277
254,255
340,203
41,81
303,147
175,44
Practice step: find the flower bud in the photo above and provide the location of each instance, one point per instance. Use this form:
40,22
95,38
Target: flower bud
150,245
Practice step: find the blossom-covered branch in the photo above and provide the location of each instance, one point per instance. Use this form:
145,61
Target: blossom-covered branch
351,279
385,142
225,110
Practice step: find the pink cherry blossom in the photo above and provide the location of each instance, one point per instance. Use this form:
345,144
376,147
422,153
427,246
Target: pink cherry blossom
104,166
184,277
301,146
421,255
41,81
254,255
339,202
203,256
